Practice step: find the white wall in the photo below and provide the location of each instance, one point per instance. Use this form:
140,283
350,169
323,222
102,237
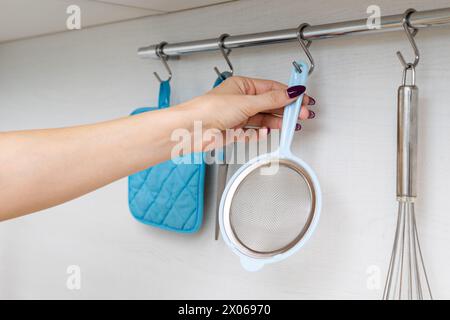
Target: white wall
94,74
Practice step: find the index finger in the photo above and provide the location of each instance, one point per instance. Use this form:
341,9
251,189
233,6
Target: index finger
254,86
263,85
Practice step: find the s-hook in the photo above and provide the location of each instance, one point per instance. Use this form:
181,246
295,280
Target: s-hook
410,33
163,57
225,53
305,46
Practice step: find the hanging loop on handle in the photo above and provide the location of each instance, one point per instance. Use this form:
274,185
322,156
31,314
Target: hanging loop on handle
305,44
410,33
163,57
409,66
225,53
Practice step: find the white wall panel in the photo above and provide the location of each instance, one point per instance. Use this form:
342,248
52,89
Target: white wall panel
94,74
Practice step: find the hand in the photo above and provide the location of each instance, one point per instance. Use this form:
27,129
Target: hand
239,102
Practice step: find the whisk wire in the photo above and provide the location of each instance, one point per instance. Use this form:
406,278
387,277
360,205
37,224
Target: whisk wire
412,254
406,275
416,236
388,283
402,248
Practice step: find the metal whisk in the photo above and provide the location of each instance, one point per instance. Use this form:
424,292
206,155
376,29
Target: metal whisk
407,277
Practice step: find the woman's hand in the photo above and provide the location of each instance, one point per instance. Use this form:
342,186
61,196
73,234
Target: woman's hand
241,102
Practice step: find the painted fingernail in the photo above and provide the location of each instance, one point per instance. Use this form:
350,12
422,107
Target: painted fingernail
311,101
298,127
268,131
295,91
311,114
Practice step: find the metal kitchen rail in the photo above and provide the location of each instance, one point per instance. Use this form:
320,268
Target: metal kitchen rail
415,20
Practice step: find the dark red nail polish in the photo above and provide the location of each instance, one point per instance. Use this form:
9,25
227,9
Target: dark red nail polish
268,131
311,114
298,127
295,91
311,101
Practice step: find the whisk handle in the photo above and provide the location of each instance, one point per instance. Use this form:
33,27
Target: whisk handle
407,132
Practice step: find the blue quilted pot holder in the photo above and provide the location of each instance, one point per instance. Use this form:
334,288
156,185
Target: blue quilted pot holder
169,195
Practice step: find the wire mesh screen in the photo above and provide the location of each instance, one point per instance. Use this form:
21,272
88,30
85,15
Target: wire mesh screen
270,212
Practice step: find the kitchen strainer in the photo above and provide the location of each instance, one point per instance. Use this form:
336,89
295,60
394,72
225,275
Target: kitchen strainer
271,205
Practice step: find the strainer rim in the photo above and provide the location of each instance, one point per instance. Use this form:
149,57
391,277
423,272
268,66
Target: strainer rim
314,190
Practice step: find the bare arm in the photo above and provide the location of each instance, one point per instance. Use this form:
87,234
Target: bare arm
43,168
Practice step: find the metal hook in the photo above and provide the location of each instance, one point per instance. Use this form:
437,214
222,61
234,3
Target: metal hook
305,46
410,34
163,57
225,53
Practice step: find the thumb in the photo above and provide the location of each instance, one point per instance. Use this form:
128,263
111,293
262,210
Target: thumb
274,99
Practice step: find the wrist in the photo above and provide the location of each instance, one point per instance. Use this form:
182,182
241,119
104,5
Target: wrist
198,112
183,125
197,119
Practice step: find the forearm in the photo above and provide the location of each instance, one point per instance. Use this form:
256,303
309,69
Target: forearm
43,168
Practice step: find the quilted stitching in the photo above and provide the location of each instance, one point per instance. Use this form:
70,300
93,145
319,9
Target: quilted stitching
161,195
148,208
176,198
